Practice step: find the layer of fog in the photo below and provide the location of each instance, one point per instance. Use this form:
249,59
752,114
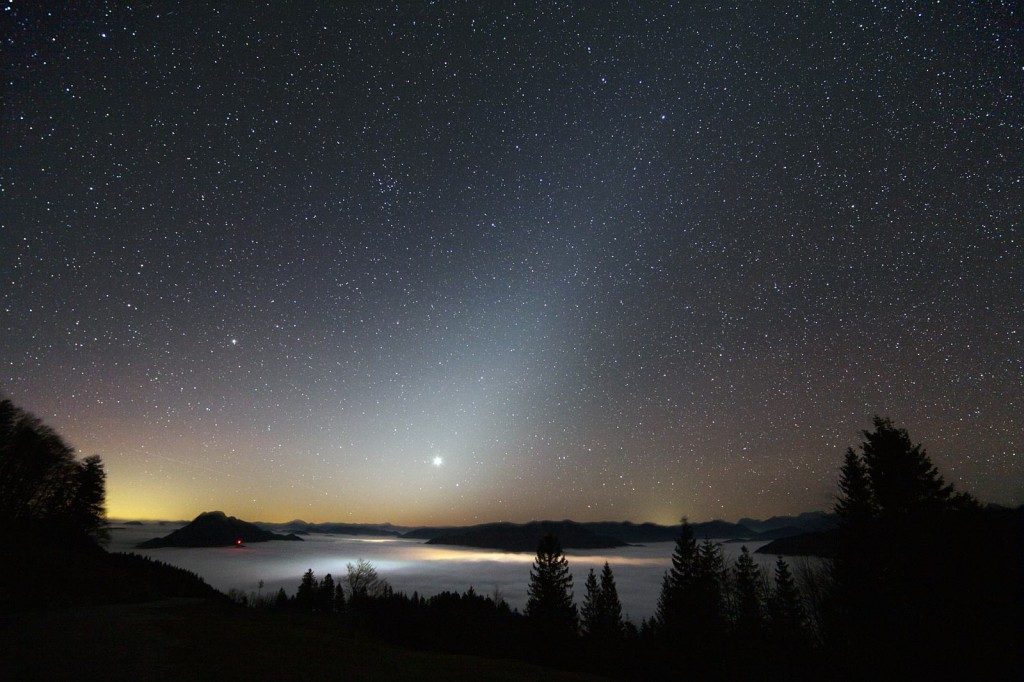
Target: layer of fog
412,565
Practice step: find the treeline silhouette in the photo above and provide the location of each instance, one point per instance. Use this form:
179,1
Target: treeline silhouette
752,614
923,582
53,520
43,487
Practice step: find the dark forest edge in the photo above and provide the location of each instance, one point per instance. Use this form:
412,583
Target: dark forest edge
923,581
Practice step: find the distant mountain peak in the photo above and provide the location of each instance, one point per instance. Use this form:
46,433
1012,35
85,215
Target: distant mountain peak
215,529
217,514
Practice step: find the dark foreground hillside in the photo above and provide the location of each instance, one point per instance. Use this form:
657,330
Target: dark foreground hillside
79,612
192,639
46,574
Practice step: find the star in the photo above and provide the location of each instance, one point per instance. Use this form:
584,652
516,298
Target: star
657,270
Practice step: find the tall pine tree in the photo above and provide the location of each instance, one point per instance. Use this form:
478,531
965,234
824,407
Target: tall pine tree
711,586
325,594
550,606
902,477
590,612
611,608
305,596
855,504
748,582
671,615
899,555
785,607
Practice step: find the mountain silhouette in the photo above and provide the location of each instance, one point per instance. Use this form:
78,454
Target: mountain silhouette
215,529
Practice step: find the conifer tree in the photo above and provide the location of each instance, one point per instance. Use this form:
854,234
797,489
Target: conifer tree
281,600
711,586
893,560
610,606
856,585
550,604
677,580
305,596
785,608
902,477
748,590
87,509
590,612
601,614
855,505
325,594
339,597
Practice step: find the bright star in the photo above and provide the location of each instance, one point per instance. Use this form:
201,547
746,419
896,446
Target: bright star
437,461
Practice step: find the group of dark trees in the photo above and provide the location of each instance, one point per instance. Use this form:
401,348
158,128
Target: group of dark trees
601,613
54,522
326,596
924,580
735,613
323,595
707,613
44,489
361,601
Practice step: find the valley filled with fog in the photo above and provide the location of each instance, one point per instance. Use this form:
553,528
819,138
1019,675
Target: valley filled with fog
412,565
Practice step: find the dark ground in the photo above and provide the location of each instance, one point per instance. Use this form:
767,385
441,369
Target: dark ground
193,639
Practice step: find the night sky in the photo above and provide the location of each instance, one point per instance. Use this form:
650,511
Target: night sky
462,262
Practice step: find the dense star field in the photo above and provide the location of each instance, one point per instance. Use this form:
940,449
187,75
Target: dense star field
455,262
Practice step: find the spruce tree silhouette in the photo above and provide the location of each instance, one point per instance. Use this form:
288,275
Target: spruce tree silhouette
325,594
601,613
911,549
610,609
855,503
672,617
88,512
785,607
903,479
691,608
749,590
711,587
590,611
550,608
305,596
